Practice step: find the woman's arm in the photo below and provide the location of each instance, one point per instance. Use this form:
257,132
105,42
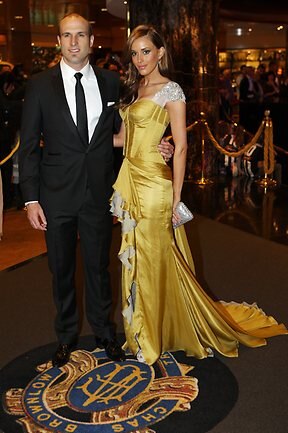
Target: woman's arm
119,139
177,114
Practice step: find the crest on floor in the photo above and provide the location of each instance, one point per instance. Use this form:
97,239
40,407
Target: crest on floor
92,394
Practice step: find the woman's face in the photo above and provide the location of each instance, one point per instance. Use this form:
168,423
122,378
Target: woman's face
145,56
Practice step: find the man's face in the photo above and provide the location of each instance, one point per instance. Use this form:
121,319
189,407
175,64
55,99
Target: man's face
75,41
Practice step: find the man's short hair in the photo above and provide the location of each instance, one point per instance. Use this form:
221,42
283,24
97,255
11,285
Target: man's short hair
74,14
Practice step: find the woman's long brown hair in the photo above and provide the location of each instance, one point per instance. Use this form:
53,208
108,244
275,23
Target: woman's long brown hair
133,78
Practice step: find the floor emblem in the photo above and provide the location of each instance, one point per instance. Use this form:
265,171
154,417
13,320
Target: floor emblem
92,394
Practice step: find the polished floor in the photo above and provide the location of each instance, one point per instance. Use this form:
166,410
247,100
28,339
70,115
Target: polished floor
20,242
239,202
238,240
242,203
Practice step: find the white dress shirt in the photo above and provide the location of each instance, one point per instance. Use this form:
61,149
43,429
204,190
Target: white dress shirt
92,96
91,90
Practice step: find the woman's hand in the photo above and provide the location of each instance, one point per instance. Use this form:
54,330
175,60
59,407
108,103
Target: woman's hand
175,217
166,149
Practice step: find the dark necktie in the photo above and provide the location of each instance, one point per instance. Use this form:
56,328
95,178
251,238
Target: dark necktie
81,112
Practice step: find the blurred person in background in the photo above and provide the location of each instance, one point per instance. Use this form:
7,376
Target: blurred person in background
226,94
10,117
238,79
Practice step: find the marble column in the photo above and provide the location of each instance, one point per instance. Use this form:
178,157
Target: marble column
18,34
190,30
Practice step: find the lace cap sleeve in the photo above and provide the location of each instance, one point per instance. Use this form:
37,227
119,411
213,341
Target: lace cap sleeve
170,92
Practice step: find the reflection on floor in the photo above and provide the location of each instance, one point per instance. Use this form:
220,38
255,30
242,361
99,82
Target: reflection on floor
238,202
242,203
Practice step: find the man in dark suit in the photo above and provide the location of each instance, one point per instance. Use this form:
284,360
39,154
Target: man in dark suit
67,183
250,111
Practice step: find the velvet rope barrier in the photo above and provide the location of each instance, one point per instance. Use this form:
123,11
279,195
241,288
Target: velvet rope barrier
244,149
265,127
15,148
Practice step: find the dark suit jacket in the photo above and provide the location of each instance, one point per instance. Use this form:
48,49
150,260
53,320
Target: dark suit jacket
57,174
245,93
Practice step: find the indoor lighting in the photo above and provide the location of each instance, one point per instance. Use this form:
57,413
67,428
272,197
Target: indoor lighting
18,17
239,31
280,28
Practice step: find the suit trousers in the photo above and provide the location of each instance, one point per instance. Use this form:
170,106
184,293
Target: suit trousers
93,224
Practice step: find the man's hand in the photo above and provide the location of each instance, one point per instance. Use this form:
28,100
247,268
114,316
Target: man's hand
166,149
36,216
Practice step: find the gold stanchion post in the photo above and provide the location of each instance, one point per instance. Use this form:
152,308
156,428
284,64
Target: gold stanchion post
266,181
203,181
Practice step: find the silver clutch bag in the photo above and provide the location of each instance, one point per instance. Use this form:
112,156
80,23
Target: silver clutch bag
184,213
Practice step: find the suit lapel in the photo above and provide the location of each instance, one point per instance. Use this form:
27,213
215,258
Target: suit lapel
103,92
102,87
62,101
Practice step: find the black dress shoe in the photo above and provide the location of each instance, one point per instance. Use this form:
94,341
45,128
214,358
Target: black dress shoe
62,355
112,348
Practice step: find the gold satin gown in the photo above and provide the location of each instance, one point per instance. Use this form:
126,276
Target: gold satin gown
164,307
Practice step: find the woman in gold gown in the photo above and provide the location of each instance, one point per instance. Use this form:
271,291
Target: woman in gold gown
164,307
